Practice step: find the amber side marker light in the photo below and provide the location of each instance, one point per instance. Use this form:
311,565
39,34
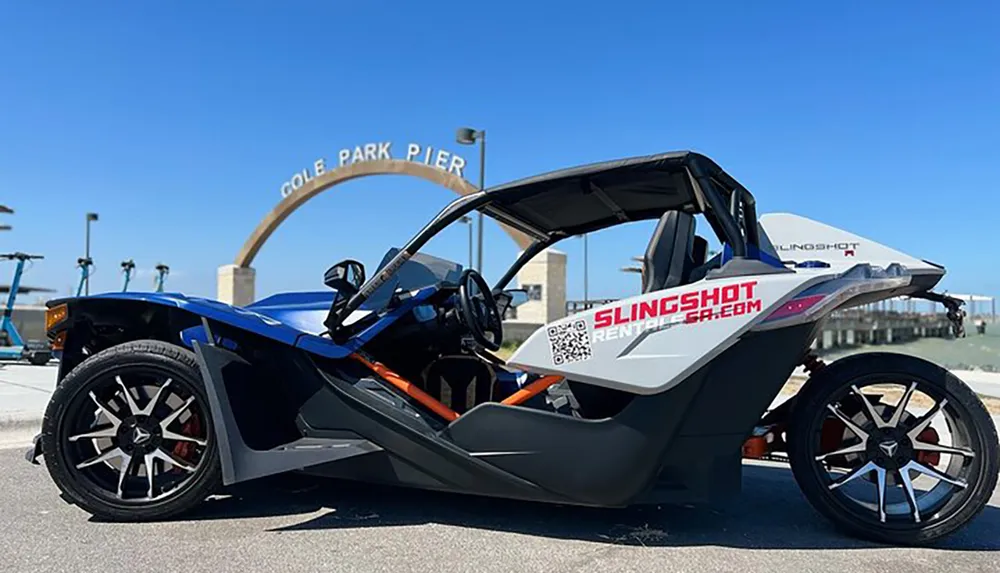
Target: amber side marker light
59,342
55,315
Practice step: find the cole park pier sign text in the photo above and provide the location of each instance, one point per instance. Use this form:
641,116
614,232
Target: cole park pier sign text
427,155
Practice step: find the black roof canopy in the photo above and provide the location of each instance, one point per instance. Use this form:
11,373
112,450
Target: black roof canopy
588,198
599,195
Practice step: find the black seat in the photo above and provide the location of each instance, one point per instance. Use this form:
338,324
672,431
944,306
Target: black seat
699,252
460,382
669,254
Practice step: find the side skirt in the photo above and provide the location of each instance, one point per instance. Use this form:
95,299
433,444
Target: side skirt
239,461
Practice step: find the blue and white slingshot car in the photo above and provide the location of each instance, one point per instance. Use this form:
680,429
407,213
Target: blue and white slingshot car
163,399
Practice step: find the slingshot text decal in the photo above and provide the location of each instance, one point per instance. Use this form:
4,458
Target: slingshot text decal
690,307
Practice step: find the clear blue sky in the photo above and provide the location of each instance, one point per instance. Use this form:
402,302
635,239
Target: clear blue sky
178,122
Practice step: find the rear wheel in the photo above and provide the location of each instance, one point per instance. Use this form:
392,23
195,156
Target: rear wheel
127,434
893,448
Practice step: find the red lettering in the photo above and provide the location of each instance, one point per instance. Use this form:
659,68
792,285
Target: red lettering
710,297
753,306
689,301
647,309
706,314
730,293
619,319
668,305
632,314
691,316
602,318
739,308
748,287
724,312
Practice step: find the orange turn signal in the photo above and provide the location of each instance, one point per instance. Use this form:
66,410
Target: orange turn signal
55,315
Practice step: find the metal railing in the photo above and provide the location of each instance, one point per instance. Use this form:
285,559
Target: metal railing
575,306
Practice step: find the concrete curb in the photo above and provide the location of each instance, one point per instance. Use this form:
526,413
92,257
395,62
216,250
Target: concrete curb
9,423
18,433
22,422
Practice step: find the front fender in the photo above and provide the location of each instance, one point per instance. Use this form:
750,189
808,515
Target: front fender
119,307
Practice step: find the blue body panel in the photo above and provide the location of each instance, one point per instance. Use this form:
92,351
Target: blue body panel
303,311
295,319
242,318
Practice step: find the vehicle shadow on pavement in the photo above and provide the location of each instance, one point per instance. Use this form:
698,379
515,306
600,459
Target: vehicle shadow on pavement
771,513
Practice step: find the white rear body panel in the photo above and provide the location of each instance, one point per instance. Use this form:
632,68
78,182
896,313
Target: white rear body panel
800,239
648,343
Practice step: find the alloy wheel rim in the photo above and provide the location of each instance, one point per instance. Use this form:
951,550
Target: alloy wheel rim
136,435
890,446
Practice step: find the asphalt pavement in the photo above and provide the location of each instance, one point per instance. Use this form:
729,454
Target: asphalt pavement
293,524
301,524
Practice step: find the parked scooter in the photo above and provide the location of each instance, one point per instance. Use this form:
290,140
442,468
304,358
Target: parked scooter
16,348
127,268
84,263
162,271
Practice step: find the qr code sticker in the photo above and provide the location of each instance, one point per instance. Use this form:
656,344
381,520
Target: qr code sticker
569,342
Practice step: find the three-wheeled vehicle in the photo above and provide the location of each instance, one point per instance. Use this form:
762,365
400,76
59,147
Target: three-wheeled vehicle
392,378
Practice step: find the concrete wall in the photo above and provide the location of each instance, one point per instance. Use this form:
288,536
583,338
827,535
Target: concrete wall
30,321
517,331
545,279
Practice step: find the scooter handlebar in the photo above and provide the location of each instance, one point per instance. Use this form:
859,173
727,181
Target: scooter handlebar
20,256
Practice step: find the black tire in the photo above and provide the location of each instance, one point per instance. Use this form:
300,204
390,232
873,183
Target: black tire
181,366
39,358
836,379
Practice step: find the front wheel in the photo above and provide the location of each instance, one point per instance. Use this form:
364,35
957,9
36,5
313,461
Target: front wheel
893,448
128,436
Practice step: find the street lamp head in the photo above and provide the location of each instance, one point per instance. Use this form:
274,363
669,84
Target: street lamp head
465,219
467,135
91,216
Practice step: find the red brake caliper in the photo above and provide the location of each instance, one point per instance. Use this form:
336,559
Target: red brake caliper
929,436
192,427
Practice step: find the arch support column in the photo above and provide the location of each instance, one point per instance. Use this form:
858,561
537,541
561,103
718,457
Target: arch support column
236,285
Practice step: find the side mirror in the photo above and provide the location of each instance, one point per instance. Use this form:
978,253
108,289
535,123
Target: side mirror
518,297
346,277
509,299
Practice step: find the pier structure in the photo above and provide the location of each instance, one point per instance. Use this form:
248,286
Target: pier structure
858,326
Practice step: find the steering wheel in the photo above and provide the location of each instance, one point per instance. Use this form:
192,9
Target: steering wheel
479,310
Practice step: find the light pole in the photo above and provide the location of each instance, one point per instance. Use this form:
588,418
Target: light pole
468,221
90,217
468,136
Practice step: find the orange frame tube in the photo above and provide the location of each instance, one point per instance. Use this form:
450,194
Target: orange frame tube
531,390
409,388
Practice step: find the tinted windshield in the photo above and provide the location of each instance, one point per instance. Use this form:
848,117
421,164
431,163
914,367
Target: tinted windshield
420,271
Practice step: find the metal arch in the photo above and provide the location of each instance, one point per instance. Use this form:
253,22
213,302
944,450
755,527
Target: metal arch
345,173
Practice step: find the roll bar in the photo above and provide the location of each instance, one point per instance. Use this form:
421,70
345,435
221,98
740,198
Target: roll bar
453,212
737,222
